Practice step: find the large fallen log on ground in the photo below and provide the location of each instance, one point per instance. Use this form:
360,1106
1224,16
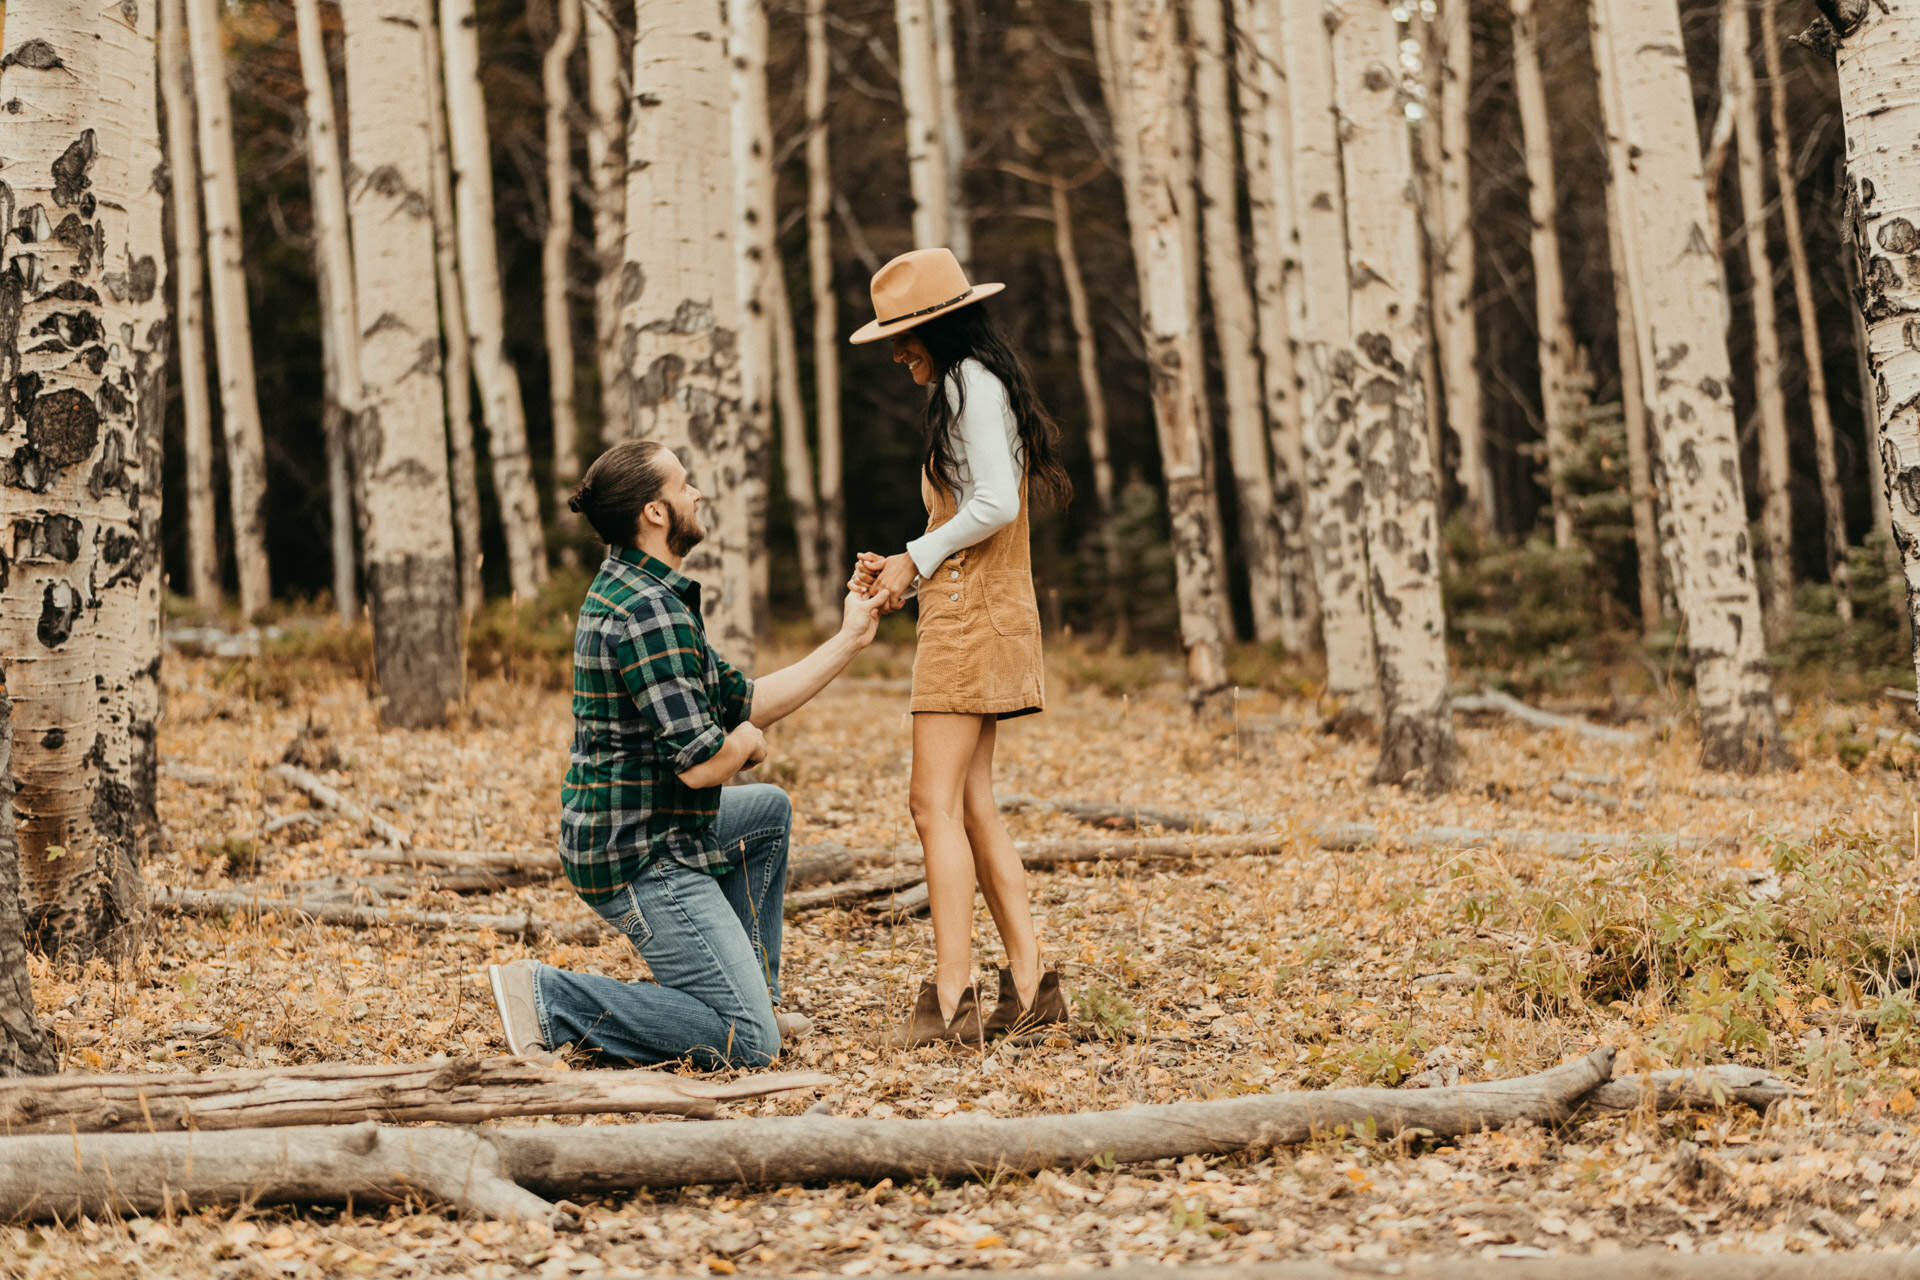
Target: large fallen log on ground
218,903
849,892
507,1172
1644,1264
464,1091
807,867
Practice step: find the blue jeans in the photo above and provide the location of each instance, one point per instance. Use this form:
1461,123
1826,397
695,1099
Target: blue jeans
713,943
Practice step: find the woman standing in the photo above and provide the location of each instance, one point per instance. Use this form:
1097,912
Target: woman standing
989,444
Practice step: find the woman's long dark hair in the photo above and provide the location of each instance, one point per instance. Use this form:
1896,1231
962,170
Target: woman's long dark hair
970,332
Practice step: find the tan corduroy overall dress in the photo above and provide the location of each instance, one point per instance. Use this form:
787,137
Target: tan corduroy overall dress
978,646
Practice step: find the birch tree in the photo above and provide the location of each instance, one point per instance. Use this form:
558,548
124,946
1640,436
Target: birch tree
607,57
463,477
1267,146
927,172
1458,336
1675,278
1776,494
1233,319
399,454
1880,101
333,269
1558,404
190,302
82,345
832,522
1389,323
556,316
501,407
1154,96
25,1049
1786,182
232,326
953,143
680,325
1335,484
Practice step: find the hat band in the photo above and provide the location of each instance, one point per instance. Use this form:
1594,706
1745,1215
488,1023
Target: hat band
959,297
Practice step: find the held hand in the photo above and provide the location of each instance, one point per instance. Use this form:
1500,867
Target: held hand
866,568
860,618
896,576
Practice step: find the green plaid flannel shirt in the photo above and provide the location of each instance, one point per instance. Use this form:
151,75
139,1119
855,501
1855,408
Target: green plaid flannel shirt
650,701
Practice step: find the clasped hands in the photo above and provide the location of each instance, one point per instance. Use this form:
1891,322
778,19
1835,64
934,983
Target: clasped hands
886,578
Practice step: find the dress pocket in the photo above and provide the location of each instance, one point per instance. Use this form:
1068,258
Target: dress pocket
1010,603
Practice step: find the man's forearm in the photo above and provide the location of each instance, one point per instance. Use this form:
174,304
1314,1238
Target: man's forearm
719,766
779,694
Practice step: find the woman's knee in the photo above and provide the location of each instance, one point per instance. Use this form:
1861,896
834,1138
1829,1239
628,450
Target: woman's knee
929,807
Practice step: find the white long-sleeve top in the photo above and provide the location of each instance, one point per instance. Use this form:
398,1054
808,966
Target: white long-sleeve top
986,440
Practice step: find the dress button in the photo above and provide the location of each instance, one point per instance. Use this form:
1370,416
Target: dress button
954,596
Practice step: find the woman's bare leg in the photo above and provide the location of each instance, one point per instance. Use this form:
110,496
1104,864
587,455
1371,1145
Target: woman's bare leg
997,865
943,747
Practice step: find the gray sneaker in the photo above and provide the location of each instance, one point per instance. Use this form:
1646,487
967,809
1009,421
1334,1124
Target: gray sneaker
513,996
793,1026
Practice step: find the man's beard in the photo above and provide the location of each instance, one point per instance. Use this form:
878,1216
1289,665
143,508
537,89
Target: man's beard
683,532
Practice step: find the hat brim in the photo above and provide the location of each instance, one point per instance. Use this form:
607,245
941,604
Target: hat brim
874,330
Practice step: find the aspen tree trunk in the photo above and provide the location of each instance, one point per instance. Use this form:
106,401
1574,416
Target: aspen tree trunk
796,460
1881,516
1335,485
399,453
606,164
1155,96
1555,336
190,300
1646,533
1110,26
1401,509
832,525
682,330
1776,495
927,171
1429,162
1676,282
463,472
1880,100
1276,295
1833,502
953,142
25,1049
501,407
1459,338
232,326
555,314
82,340
333,267
1233,319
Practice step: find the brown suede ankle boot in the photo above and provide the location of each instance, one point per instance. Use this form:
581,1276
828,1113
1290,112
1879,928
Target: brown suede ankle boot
1018,1025
927,1027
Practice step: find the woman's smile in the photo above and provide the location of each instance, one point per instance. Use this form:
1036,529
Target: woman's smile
911,352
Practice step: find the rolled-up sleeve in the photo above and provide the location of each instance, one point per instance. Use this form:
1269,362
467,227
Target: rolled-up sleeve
733,695
661,661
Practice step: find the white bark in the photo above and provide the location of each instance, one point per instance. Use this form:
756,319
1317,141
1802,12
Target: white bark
927,172
333,266
232,327
190,303
1233,319
457,352
607,56
1335,488
1776,495
25,1048
399,454
1833,502
1880,99
1675,278
501,408
1459,339
1267,148
831,523
680,326
756,253
953,142
556,315
1554,335
82,349
1155,95
1402,516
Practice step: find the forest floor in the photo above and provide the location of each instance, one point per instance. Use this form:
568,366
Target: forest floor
1780,944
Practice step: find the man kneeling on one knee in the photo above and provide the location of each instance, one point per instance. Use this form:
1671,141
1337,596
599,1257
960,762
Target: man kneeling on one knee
693,873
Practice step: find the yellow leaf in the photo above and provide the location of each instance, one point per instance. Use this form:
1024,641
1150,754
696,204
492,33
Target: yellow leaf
95,1061
719,1265
1901,1103
55,852
988,1242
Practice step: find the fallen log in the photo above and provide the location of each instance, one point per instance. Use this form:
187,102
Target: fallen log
1643,1264
464,1091
1703,1087
852,891
210,902
1117,816
327,798
819,865
1494,700
1559,844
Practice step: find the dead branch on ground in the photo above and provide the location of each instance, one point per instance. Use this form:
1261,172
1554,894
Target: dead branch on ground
327,798
209,902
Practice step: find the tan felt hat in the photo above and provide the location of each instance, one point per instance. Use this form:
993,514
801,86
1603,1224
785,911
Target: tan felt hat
914,288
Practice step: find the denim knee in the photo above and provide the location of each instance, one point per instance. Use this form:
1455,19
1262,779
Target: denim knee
756,1040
